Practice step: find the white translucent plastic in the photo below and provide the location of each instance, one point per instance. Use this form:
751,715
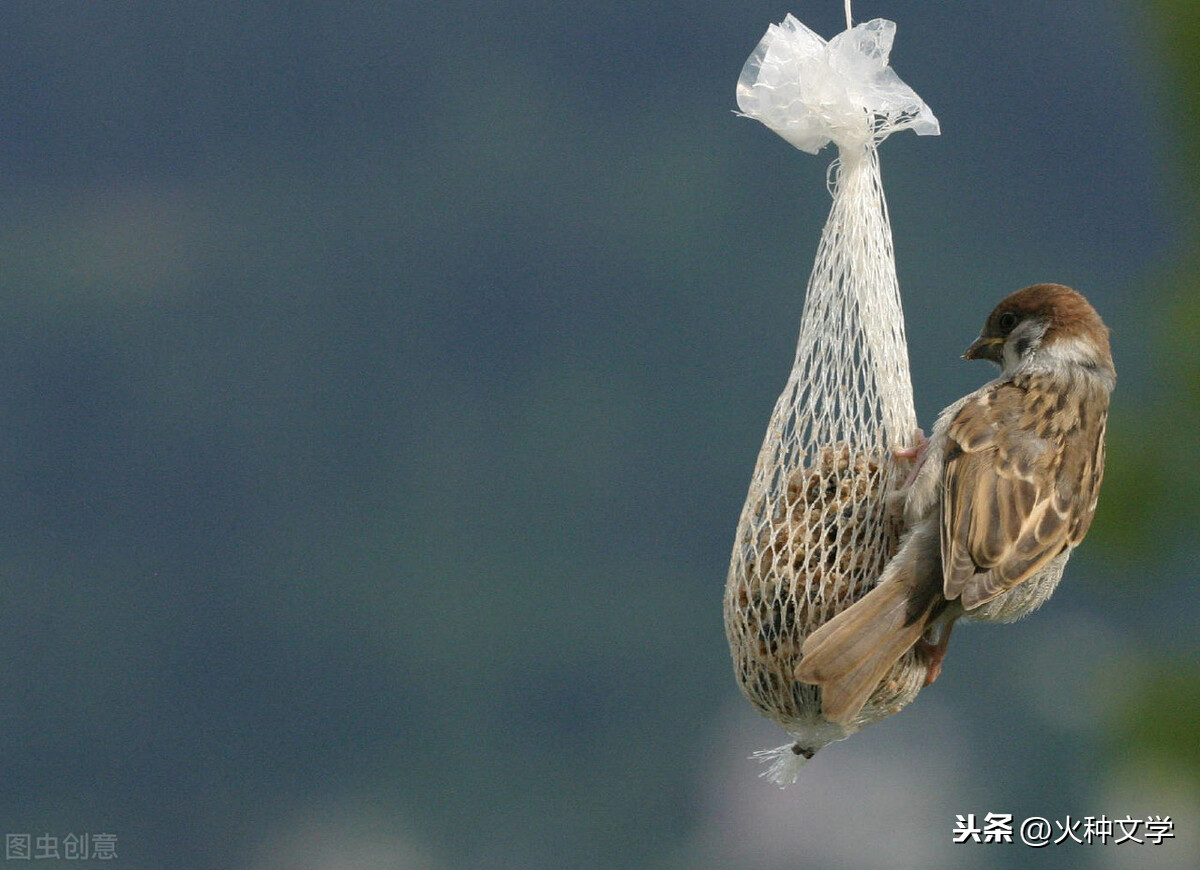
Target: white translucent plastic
812,92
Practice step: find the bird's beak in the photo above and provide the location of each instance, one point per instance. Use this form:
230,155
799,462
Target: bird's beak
985,348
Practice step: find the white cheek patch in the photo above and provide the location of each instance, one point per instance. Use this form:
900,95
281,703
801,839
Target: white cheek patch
1070,351
1025,341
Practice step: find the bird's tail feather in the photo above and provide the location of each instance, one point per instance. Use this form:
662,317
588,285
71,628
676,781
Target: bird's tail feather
849,656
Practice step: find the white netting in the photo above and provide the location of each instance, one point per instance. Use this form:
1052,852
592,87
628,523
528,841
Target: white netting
815,532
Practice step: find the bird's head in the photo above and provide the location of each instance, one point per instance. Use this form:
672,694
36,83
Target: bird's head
1044,325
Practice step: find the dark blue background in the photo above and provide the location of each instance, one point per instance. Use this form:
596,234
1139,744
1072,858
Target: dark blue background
381,383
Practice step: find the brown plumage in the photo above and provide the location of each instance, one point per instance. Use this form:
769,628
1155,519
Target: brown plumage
1005,488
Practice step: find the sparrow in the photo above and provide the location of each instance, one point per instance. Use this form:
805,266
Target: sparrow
1000,494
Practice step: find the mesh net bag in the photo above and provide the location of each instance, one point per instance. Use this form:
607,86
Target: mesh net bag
816,529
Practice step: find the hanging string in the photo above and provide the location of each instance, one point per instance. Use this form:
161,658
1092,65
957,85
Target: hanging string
849,23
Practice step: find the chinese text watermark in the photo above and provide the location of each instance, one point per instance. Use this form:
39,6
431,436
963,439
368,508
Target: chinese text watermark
1037,831
68,847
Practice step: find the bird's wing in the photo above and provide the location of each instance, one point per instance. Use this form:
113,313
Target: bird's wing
1014,496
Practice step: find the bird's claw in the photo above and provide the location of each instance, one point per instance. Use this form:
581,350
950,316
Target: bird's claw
913,452
934,653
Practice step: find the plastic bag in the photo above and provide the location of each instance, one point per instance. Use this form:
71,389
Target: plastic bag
816,529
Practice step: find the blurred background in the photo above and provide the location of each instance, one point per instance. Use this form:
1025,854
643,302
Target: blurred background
381,383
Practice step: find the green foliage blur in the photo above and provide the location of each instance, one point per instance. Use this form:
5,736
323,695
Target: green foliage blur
1152,491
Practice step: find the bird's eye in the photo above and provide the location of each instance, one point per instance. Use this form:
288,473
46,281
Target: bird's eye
1007,321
